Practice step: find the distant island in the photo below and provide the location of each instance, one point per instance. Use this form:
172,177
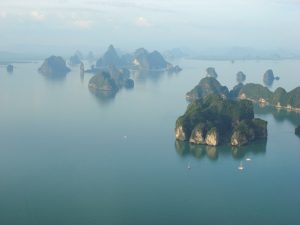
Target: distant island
269,77
141,60
240,77
10,68
213,120
54,66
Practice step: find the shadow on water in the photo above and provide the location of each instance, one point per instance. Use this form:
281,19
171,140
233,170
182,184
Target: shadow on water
103,97
184,149
280,115
55,77
142,76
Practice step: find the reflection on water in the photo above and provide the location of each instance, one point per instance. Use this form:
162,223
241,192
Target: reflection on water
55,77
280,115
103,97
143,76
184,149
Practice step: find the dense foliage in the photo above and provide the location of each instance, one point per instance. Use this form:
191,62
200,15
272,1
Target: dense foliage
215,112
207,86
278,98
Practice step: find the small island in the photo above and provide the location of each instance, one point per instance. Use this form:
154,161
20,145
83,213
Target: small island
240,77
54,66
10,68
213,120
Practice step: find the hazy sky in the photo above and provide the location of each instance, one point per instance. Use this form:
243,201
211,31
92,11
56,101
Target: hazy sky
67,25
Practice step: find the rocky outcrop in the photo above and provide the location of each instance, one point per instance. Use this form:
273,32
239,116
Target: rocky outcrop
140,60
240,77
280,98
54,66
213,120
207,86
10,68
268,78
153,61
198,134
247,131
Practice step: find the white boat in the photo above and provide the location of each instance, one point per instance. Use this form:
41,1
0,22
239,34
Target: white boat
241,167
248,159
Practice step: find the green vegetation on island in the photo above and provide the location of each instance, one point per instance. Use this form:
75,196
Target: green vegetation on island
280,98
269,77
141,60
107,83
207,86
213,120
10,68
258,93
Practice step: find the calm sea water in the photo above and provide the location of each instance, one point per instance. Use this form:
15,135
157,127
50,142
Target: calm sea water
68,157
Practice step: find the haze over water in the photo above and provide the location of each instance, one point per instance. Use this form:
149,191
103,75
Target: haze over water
68,157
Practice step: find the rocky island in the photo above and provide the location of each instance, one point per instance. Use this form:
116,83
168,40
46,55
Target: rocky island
75,60
240,77
54,66
297,131
268,77
280,98
140,60
211,72
10,68
213,120
107,83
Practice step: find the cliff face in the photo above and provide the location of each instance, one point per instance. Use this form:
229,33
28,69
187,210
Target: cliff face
279,98
213,120
54,66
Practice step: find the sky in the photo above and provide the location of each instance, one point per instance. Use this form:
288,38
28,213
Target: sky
67,25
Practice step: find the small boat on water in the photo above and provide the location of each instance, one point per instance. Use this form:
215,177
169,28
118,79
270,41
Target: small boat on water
189,166
248,159
241,167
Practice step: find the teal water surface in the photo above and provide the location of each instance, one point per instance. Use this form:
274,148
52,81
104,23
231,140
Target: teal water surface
68,157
